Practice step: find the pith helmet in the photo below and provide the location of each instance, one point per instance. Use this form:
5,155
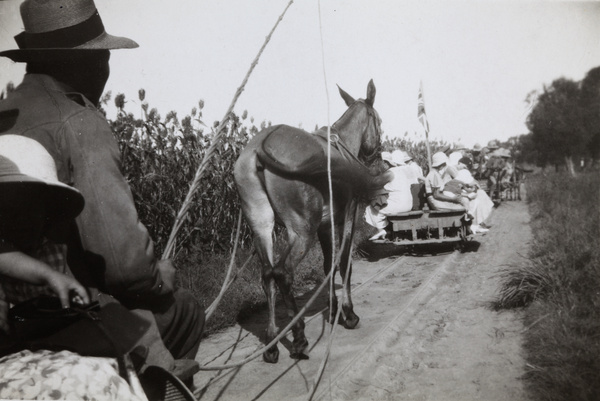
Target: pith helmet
438,159
24,165
493,144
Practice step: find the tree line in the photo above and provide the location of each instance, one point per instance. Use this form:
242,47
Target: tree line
564,124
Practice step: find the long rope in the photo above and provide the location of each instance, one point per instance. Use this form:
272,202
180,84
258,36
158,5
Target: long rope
325,359
331,221
213,146
282,334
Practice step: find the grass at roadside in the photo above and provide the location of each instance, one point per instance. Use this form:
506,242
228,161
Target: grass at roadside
560,288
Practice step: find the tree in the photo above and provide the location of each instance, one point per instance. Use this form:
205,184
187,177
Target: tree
590,103
556,124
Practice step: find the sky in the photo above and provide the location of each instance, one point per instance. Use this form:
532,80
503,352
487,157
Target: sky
477,60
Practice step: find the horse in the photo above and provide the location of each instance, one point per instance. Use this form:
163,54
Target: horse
300,203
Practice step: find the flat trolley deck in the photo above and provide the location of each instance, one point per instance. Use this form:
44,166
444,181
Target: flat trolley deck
427,227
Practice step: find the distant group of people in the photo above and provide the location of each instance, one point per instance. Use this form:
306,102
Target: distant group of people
68,223
491,165
452,184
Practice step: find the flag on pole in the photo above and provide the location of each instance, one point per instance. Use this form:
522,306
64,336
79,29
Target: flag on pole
423,119
421,110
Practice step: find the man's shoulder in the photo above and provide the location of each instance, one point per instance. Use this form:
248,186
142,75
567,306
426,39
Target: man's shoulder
39,101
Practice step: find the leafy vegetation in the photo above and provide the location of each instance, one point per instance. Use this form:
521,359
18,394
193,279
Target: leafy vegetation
564,123
560,288
159,160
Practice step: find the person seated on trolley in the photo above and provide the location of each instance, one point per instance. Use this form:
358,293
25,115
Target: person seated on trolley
399,198
440,174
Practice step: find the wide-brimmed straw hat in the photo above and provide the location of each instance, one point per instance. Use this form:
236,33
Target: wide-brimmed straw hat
438,159
25,165
55,29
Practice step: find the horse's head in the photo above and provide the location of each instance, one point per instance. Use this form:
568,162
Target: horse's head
363,124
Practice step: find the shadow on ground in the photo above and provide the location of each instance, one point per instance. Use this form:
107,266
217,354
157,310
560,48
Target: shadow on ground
372,252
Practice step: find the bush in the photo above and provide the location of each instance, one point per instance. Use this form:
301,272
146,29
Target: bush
561,288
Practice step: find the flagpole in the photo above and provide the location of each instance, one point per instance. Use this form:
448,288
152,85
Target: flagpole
423,118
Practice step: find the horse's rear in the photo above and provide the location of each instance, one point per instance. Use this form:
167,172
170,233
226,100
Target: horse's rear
300,202
268,196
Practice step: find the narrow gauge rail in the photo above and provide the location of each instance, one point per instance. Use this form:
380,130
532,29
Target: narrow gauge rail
260,381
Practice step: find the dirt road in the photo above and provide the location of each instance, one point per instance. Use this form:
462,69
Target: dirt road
426,332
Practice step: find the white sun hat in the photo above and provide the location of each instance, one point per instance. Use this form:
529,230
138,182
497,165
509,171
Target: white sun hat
438,159
24,165
464,176
387,156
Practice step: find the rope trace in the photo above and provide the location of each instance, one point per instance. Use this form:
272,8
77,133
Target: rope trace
214,142
281,334
325,358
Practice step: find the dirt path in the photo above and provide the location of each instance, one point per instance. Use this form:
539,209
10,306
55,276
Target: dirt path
426,332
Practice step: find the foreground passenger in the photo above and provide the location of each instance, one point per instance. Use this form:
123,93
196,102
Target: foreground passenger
67,52
33,262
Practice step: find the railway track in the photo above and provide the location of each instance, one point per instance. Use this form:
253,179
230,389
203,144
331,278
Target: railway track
413,280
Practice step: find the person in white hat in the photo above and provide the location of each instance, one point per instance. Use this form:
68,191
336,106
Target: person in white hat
67,52
440,174
457,153
33,262
399,197
413,172
478,204
33,203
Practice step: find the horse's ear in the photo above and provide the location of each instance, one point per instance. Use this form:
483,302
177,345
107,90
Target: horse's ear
347,98
370,93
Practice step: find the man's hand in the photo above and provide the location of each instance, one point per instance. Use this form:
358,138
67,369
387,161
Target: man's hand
167,273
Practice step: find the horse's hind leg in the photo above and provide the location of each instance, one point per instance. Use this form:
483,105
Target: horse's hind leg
263,242
298,246
261,218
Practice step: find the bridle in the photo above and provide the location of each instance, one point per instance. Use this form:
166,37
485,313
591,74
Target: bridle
370,157
364,157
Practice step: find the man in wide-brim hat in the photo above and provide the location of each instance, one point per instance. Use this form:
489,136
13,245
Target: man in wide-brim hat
67,50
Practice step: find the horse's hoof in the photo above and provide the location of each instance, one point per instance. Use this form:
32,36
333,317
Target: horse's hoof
271,355
351,320
298,355
299,346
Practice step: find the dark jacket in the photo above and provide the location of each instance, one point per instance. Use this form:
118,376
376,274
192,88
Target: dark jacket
108,245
